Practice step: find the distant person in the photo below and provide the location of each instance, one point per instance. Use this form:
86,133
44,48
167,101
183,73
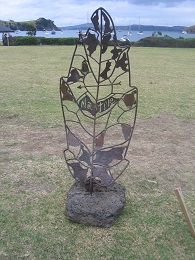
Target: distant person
5,39
80,37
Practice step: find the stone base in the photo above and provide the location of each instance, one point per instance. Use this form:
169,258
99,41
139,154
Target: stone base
99,209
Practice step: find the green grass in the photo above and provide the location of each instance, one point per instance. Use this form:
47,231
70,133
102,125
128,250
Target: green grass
34,179
29,81
166,81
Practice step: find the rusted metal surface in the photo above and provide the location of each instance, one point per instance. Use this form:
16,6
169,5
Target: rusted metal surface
99,105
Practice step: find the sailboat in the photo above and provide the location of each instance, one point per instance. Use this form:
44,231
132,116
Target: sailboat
53,32
125,38
139,32
129,32
46,32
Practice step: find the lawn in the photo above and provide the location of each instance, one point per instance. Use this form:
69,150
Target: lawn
35,179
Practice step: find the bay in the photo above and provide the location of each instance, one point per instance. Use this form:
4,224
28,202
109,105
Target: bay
134,37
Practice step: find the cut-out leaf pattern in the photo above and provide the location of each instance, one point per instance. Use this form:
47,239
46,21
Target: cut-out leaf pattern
115,52
99,141
85,68
105,71
106,157
74,76
129,99
95,19
92,43
85,156
79,172
126,129
65,91
72,140
122,63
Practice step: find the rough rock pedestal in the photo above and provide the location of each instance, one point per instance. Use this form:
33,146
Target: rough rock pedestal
97,209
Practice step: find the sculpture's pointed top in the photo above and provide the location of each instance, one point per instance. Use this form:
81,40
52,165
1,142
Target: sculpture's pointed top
103,22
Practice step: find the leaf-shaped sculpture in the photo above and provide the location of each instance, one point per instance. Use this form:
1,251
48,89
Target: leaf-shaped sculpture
99,105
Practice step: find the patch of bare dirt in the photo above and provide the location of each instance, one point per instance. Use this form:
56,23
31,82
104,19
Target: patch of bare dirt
38,187
161,151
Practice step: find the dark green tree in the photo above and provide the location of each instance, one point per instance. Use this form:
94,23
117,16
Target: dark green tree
31,29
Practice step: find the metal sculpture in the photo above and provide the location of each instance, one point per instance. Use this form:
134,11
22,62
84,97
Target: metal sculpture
99,105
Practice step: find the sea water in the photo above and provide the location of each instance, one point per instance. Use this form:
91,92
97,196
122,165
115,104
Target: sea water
134,37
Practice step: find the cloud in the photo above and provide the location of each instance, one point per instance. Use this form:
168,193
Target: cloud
153,2
73,12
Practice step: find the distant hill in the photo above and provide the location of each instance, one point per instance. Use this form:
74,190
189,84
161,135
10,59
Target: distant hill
190,29
47,24
40,24
134,27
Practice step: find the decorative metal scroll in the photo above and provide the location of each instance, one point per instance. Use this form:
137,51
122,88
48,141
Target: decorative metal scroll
99,105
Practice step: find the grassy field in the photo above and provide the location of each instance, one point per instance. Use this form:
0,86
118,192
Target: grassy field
35,180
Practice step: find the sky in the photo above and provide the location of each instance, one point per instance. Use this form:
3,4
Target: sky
74,12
